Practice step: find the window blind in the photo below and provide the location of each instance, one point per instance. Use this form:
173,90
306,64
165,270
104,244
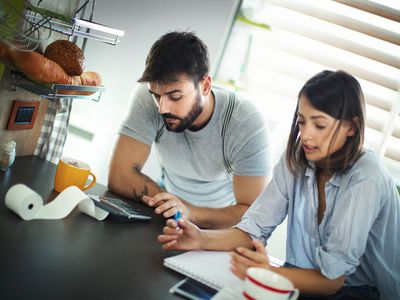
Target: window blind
269,66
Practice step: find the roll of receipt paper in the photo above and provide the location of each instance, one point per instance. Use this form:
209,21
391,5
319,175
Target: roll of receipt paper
28,204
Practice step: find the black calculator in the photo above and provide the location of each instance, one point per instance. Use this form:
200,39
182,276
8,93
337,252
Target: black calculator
120,210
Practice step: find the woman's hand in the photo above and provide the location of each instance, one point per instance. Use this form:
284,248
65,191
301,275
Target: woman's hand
168,205
181,235
244,258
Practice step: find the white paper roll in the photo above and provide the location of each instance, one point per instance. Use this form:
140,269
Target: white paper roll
23,201
28,204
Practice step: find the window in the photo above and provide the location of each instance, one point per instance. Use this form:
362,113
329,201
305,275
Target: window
275,46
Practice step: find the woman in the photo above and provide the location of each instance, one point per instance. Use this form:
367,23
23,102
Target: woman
342,206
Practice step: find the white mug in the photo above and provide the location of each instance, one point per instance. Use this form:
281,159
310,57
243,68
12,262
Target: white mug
265,284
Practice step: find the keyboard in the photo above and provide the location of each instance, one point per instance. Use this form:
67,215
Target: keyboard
120,210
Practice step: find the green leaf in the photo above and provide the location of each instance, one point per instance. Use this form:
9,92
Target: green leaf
242,18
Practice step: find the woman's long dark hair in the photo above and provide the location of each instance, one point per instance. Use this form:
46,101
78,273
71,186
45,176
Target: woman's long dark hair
339,95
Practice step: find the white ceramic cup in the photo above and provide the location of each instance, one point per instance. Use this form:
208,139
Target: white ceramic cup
265,284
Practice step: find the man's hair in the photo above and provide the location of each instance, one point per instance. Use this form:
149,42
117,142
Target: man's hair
176,53
339,95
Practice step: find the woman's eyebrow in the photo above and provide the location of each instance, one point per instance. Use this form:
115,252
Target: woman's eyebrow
313,117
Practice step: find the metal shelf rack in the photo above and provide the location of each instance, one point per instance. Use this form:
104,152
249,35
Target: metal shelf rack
54,91
78,28
36,20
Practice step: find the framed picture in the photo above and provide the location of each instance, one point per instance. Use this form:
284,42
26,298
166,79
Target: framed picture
23,114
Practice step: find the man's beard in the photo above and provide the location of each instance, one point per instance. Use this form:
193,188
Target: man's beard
187,121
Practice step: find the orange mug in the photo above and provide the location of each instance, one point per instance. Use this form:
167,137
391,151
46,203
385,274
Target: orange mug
72,172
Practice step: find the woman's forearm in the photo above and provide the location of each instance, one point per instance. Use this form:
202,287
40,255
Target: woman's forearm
311,281
225,239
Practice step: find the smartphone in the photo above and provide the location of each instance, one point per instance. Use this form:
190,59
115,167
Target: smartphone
193,290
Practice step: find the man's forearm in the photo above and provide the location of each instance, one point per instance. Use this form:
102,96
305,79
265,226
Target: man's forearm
217,218
134,184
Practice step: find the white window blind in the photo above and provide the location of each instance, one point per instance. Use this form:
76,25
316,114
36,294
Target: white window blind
269,66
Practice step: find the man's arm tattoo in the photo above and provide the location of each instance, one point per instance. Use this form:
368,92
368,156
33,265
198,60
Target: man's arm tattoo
147,181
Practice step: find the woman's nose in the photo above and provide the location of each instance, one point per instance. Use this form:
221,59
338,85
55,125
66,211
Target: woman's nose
306,133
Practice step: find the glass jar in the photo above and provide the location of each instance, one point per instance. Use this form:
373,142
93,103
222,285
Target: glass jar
7,154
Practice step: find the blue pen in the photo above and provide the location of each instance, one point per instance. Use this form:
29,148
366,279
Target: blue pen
177,217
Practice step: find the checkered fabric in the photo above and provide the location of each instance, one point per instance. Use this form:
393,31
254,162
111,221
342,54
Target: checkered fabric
54,130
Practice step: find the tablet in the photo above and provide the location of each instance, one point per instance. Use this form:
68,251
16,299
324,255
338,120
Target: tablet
193,290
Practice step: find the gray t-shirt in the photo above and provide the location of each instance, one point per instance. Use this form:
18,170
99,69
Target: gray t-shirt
192,161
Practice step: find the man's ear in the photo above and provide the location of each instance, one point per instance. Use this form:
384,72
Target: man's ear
354,124
205,85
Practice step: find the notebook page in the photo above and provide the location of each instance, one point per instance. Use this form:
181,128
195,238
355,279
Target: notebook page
208,267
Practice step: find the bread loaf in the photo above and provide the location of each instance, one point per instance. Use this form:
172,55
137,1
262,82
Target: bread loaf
68,55
86,79
43,70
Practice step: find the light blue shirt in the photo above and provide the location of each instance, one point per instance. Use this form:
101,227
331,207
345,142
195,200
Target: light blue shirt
359,235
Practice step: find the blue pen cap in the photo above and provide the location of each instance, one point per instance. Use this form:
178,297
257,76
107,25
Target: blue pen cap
177,215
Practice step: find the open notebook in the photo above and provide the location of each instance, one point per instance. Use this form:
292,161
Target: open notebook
208,267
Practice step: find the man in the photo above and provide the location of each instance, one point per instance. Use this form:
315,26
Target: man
200,135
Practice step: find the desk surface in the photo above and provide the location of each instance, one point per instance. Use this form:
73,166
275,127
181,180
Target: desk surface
77,257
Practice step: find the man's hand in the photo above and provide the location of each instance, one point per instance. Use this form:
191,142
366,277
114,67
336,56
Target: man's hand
245,258
168,205
181,235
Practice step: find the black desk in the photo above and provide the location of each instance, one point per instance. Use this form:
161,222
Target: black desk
77,257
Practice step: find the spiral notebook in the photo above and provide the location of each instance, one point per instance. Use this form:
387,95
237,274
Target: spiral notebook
208,267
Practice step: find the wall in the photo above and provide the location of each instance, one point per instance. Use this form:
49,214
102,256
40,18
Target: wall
25,139
94,125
